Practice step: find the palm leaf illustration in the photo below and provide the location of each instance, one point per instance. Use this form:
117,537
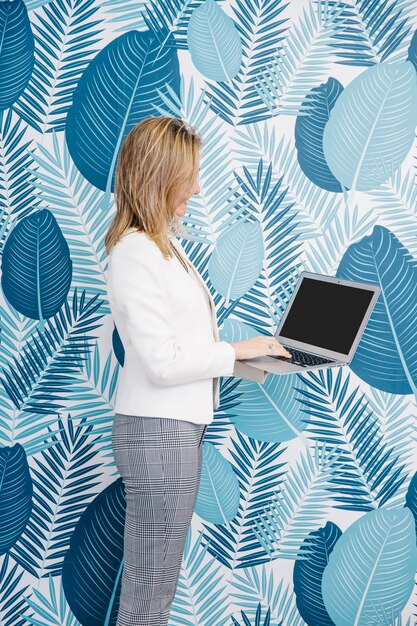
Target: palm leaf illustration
370,32
259,472
13,611
66,35
394,202
79,208
262,27
17,51
265,585
259,620
50,360
315,208
196,598
282,526
370,473
16,192
50,608
299,64
61,491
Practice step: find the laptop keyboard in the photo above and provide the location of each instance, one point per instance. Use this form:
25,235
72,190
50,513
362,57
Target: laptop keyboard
301,358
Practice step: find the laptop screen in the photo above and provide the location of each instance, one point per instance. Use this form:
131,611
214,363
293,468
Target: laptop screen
326,315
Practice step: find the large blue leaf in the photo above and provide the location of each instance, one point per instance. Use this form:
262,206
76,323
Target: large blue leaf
371,569
308,573
16,491
93,565
309,129
17,51
371,127
37,269
118,89
214,42
218,494
271,412
237,259
386,356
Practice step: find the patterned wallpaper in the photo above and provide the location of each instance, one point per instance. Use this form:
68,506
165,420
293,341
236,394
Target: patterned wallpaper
306,512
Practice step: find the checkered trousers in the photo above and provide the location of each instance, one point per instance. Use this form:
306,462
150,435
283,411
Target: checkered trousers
159,460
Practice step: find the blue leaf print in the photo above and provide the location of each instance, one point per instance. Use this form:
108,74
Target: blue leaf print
371,569
309,129
16,491
17,51
37,269
93,565
218,494
308,573
118,347
411,498
259,621
214,42
12,594
412,51
371,126
367,32
386,356
117,90
31,5
276,406
237,260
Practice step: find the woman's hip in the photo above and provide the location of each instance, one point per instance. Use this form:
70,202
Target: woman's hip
148,449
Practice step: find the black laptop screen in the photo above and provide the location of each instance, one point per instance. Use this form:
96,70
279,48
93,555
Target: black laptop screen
326,315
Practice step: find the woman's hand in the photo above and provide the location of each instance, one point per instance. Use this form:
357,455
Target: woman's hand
259,346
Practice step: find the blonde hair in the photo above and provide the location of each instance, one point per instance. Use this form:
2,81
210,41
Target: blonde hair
157,155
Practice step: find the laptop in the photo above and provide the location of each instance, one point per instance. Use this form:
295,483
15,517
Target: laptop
321,325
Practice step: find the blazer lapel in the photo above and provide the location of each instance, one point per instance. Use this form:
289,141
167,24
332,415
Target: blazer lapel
216,382
203,284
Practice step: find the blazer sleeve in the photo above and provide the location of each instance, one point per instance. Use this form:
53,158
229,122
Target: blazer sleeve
137,284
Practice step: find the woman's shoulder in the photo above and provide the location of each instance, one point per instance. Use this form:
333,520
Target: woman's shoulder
135,247
134,240
135,234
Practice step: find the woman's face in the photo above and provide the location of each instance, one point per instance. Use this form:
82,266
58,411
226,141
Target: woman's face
184,193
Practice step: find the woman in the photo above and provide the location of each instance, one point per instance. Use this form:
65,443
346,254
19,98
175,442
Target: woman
166,321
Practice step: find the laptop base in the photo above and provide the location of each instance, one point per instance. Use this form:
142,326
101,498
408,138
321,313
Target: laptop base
275,366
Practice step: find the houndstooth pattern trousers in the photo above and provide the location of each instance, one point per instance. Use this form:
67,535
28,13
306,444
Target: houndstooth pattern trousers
159,460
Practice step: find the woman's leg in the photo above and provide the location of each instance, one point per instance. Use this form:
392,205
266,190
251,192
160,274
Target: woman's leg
159,460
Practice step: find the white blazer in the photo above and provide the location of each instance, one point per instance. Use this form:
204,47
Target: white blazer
167,324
